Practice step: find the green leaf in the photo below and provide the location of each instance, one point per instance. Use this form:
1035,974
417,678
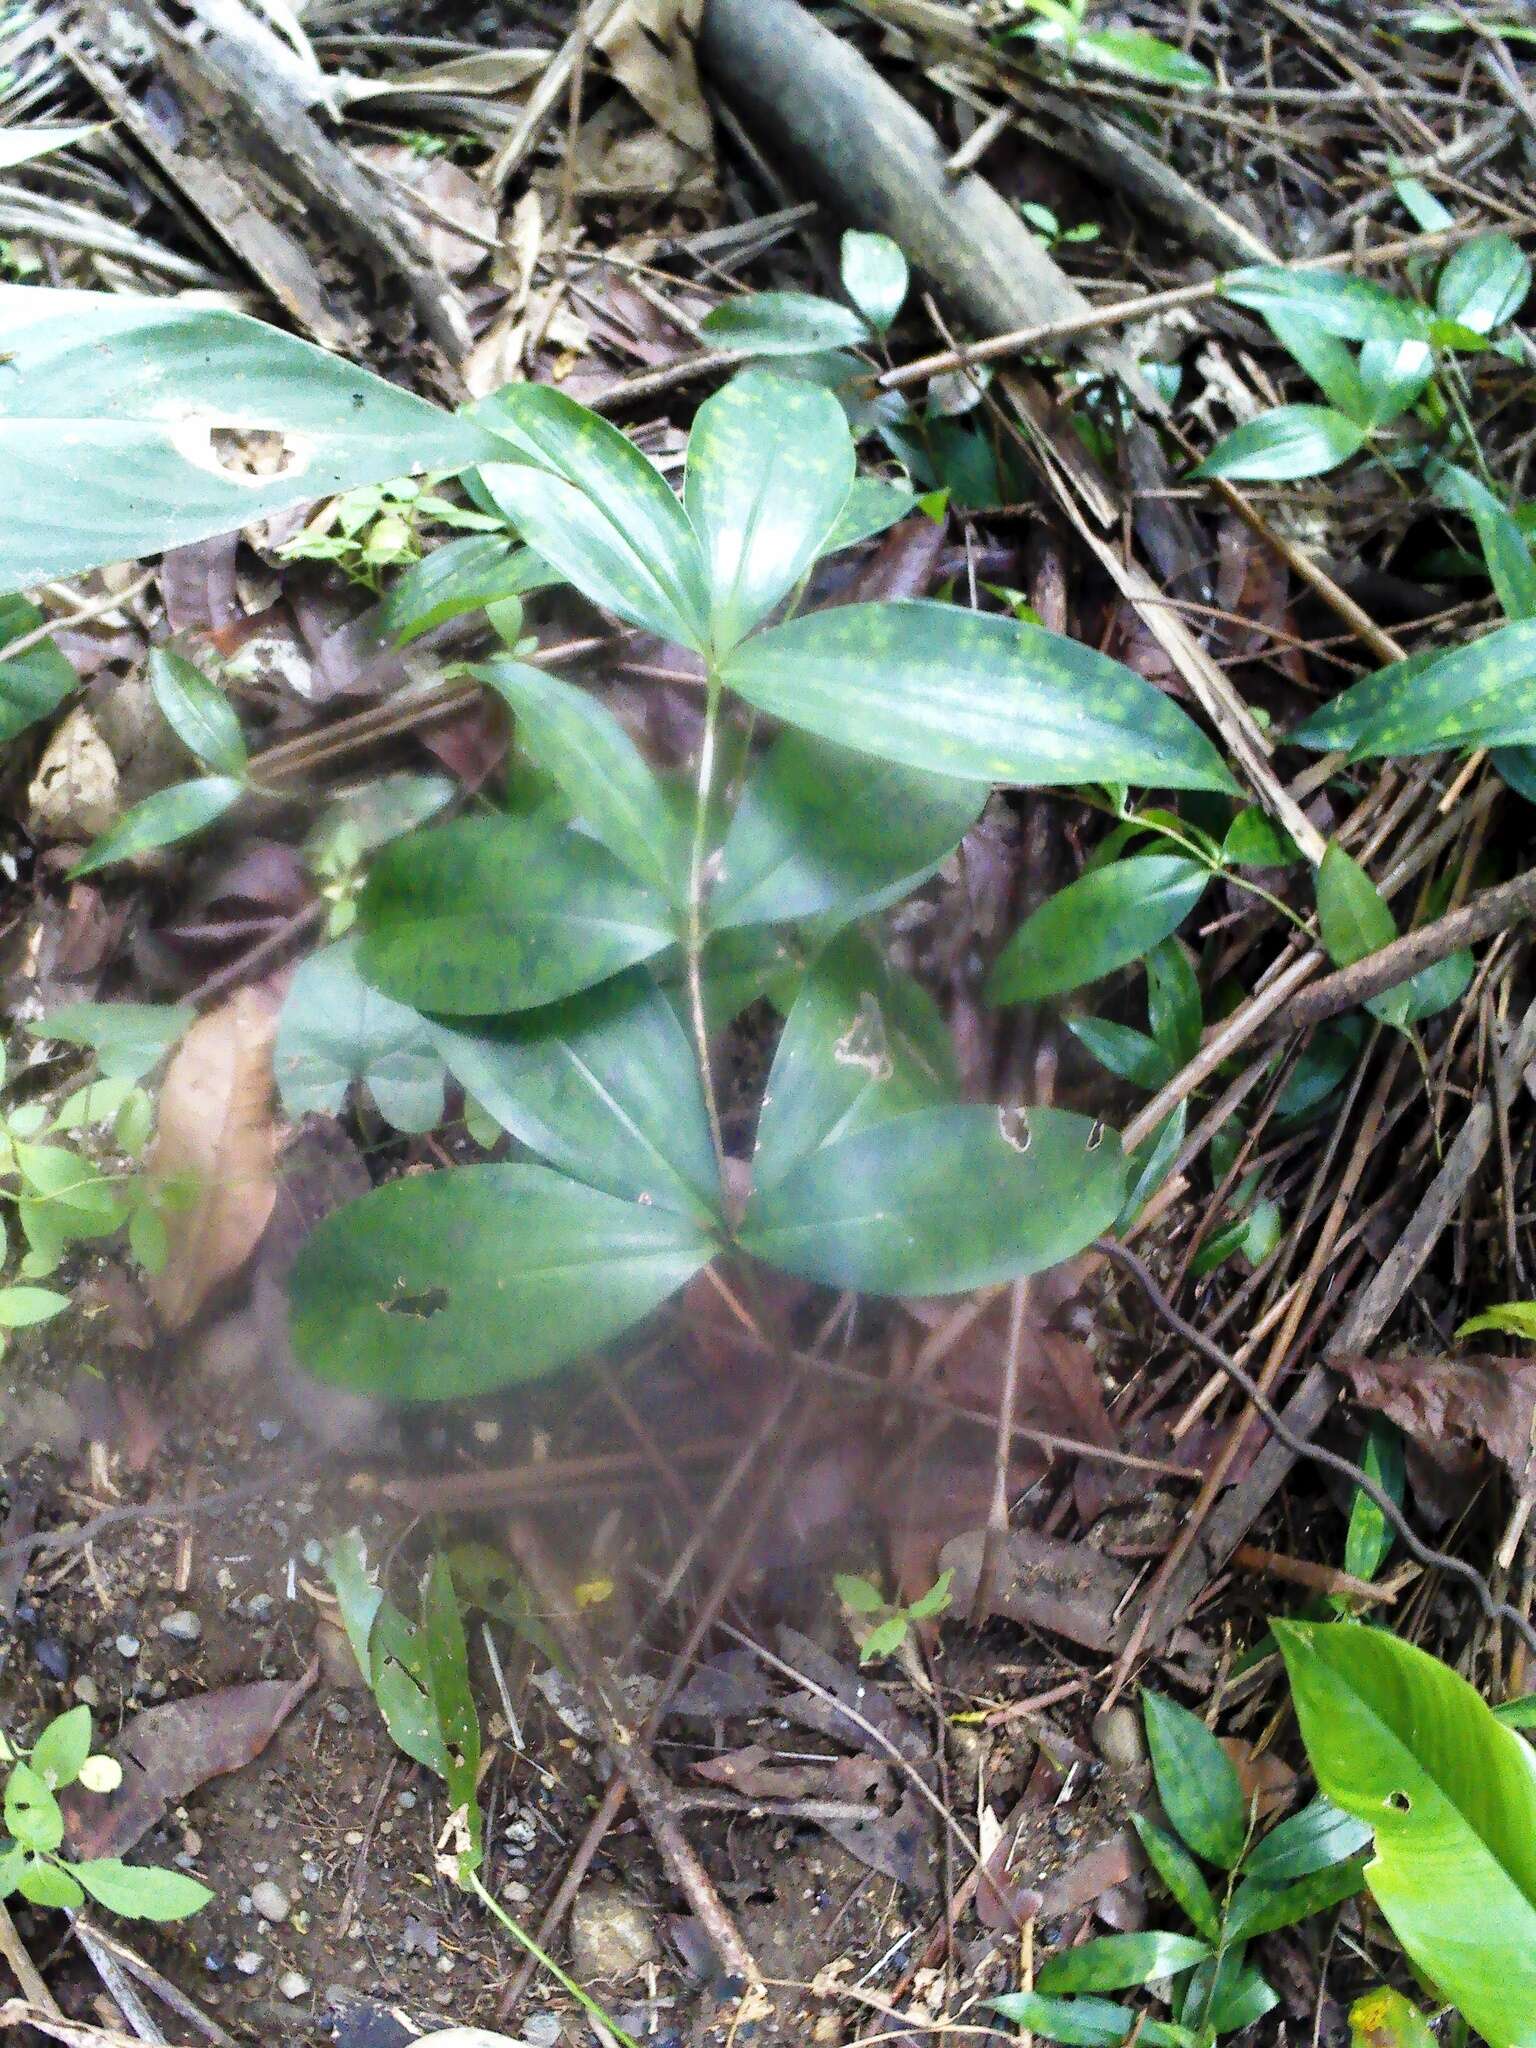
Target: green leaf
1180,1872
1403,1743
595,509
1351,307
884,1639
1149,1165
358,1597
1116,1962
604,1086
1392,375
585,750
447,1284
885,1209
857,1594
863,1043
135,409
197,711
493,914
32,1815
1196,1781
21,1307
1355,921
127,1038
453,1701
1383,2018
1264,1909
140,1891
1132,54
935,1601
1104,920
875,277
162,819
1229,1994
1254,840
1324,358
783,324
770,462
1511,1318
45,1883
1291,441
1174,1008
410,1717
869,508
463,576
13,1863
1505,548
1086,2022
334,1029
1310,1840
62,1748
31,684
1368,1542
1484,283
971,695
1128,1054
1479,694
822,829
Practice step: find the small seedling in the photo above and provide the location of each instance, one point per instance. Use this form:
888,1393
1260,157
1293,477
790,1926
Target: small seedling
34,1862
1050,230
890,1623
377,528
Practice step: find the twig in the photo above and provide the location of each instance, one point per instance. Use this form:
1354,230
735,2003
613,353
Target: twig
163,1511
25,1971
162,1987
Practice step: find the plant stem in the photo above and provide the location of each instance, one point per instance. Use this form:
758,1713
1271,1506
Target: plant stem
588,2003
694,943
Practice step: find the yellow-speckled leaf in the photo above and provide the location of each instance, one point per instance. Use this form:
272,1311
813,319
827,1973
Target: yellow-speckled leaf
1483,694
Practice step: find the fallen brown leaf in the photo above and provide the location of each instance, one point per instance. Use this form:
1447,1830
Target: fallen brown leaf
1455,1405
215,1131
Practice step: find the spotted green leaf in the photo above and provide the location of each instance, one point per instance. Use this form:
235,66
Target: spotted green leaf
784,323
1102,921
1116,1962
1088,2022
1196,1781
465,575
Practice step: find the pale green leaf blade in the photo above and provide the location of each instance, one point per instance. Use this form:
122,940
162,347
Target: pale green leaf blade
783,324
1131,53
21,1307
875,276
494,914
877,1209
1196,1781
1116,1962
62,1748
135,410
1104,920
770,463
1289,442
32,1814
50,1884
1324,357
162,819
1484,283
141,1891
972,695
1310,1840
31,683
25,145
604,1086
334,1029
871,506
197,711
1406,1745
1510,1318
1355,308
448,1284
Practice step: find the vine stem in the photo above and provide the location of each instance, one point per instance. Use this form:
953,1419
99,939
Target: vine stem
694,944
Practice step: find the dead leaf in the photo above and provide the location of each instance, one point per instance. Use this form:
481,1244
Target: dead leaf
167,1752
1070,1588
1454,1405
1265,1778
215,1131
74,792
753,1773
894,1841
649,44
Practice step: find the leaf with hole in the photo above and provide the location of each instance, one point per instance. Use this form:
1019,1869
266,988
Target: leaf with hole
770,463
493,914
784,324
1403,1743
32,1815
454,1283
971,695
158,424
1279,446
1103,920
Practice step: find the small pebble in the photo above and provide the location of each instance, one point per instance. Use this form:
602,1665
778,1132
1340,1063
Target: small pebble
269,1429
270,1901
293,1986
259,1607
542,2029
310,1872
314,1552
248,1962
127,1646
406,1799
1120,1740
338,1711
88,1692
182,1627
52,1657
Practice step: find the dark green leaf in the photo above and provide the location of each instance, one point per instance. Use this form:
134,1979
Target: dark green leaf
582,747
1505,548
1128,1054
463,576
604,1086
1291,441
1480,694
1086,2022
1310,1840
1180,1872
1149,1166
1352,307
62,1748
874,273
1406,1745
410,1717
1352,913
1264,1909
822,829
1116,1962
941,1200
141,1892
197,711
1484,283
1229,1994
447,1284
1254,840
162,819
31,684
1103,920
453,1702
134,408
972,695
1369,1539
1174,1008
334,1029
1196,1781
1324,358
783,323
487,915
770,462
595,509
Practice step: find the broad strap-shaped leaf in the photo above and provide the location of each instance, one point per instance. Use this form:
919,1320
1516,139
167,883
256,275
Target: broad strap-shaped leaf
334,1029
197,711
1404,1743
1481,694
941,1200
1288,442
1355,308
1117,1962
447,1284
32,683
493,914
972,695
770,462
1088,2022
820,829
581,746
597,510
162,819
1257,1908
465,575
139,413
1392,375
862,1044
784,324
1104,920
605,1086
1505,547
1196,1781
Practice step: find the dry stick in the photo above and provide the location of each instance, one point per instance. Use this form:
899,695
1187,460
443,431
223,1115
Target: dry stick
995,1541
626,1747
14,1951
163,1511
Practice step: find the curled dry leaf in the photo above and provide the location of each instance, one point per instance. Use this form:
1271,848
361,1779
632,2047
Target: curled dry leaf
215,1136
